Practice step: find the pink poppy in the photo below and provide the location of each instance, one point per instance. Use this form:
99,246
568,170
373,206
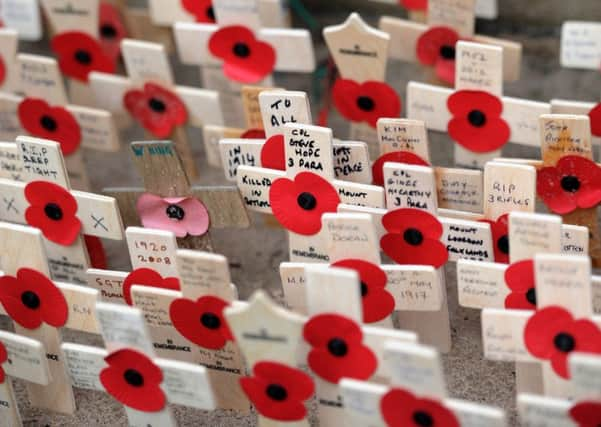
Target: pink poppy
180,215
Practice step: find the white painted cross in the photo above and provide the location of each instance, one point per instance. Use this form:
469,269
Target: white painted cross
24,17
581,45
417,9
43,199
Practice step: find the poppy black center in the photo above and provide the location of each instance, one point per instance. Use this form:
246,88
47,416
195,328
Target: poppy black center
531,296
276,392
53,211
447,51
30,300
210,321
476,118
363,289
413,236
241,50
83,57
133,378
337,347
307,201
210,13
564,342
503,244
157,105
365,103
175,212
570,183
423,419
48,123
108,31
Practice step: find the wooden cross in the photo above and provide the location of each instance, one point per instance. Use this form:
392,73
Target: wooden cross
581,45
9,41
178,383
22,358
417,11
415,370
42,168
307,149
24,17
556,412
164,178
42,308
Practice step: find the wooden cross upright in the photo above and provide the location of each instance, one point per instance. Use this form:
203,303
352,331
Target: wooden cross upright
308,151
556,412
417,10
24,17
190,211
416,383
128,362
22,358
581,45
9,41
40,308
44,199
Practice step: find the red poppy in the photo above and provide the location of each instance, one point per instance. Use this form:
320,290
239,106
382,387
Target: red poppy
273,153
3,358
111,29
298,205
586,414
500,237
134,380
278,391
415,4
575,182
595,116
552,334
477,124
400,408
245,58
365,102
337,349
436,48
157,109
55,123
147,277
376,300
53,210
79,54
414,238
31,298
96,252
201,9
519,277
253,134
407,157
2,71
201,321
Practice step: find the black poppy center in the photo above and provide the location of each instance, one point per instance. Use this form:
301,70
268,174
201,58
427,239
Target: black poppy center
413,236
276,392
108,31
365,103
48,123
53,211
531,296
175,212
157,105
337,347
210,321
210,13
423,419
503,244
476,118
307,201
133,378
570,183
30,300
447,51
241,50
564,342
363,289
83,57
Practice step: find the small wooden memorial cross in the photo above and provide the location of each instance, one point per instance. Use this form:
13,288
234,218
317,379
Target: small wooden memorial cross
128,362
417,10
44,200
22,358
581,45
9,41
416,383
39,307
306,188
168,202
24,17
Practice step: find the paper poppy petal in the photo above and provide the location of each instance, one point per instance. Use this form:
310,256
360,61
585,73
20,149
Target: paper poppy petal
96,252
429,252
3,358
111,30
153,213
406,157
399,220
359,363
518,301
201,9
2,81
445,70
492,136
429,44
586,414
595,116
399,407
542,328
519,276
147,277
415,4
71,45
500,237
273,153
253,134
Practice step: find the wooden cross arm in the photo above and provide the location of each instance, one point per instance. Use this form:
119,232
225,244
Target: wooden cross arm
294,48
405,34
26,358
544,411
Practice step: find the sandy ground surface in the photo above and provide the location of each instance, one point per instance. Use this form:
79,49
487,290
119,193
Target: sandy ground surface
256,253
